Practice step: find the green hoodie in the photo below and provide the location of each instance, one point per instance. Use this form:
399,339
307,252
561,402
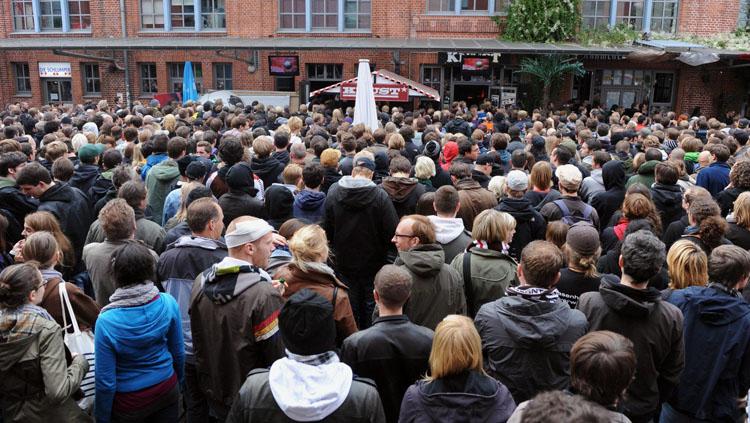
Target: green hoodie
645,176
7,182
692,157
159,183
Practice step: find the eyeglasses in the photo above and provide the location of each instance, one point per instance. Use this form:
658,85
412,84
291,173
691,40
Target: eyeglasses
404,236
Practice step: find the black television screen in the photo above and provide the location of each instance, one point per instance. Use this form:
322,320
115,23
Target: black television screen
283,65
475,64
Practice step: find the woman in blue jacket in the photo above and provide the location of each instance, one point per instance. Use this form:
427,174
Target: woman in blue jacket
139,348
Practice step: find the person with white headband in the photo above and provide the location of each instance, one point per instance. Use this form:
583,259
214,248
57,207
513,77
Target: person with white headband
234,311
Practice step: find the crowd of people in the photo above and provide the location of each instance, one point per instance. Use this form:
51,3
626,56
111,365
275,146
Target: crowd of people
245,263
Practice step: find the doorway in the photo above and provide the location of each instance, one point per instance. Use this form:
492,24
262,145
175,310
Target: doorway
470,93
57,90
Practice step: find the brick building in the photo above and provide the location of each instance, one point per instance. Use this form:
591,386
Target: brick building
79,50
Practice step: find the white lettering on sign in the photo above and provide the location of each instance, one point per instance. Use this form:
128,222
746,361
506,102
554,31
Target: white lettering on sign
456,57
55,70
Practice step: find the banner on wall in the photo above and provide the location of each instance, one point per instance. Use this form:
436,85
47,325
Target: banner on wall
55,70
383,92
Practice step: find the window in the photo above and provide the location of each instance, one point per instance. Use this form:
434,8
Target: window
284,83
440,6
148,78
630,12
432,76
183,14
357,14
23,79
664,16
91,80
501,7
213,14
596,13
152,14
325,14
324,72
474,5
51,15
292,14
663,83
176,72
80,15
223,76
23,15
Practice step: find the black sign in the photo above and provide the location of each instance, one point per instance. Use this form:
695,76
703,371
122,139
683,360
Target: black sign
454,57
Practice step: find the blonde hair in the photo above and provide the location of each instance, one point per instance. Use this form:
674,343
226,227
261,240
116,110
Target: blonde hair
396,142
309,244
425,168
742,210
169,123
687,265
295,125
456,348
263,146
497,186
493,226
330,157
181,215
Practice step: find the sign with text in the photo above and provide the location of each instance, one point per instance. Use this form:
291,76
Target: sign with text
455,57
55,70
383,92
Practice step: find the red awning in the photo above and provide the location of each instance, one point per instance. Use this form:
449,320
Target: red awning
385,77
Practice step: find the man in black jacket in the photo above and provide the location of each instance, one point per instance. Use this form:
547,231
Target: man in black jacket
14,205
360,221
636,311
394,352
530,225
458,126
608,202
69,205
667,195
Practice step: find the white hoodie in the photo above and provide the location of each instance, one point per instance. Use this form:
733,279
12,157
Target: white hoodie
447,228
308,393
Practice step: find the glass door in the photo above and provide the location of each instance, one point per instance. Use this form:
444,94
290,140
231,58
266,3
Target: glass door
58,91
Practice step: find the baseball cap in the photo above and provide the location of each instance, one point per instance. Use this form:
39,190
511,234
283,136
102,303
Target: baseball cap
365,162
88,151
517,180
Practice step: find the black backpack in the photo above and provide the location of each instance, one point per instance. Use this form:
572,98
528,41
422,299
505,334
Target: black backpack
570,219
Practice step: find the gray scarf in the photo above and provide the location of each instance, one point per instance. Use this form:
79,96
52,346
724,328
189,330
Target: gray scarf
132,296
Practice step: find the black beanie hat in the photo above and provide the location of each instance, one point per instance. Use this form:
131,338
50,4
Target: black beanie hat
432,150
240,178
306,324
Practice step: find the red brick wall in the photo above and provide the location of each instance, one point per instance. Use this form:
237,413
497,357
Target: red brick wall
714,90
706,17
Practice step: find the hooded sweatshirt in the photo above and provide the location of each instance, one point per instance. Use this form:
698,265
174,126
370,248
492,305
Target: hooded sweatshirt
717,325
645,174
592,185
436,291
70,207
668,202
608,202
359,216
84,176
527,343
654,326
310,205
404,193
152,161
451,234
268,169
309,393
158,185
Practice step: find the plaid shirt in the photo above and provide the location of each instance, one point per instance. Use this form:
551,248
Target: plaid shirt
21,322
328,357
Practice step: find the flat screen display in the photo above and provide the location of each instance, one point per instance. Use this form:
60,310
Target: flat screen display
476,64
283,65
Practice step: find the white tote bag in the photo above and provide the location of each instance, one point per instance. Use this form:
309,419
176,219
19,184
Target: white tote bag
81,343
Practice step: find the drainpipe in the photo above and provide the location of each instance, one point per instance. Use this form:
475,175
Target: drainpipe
125,62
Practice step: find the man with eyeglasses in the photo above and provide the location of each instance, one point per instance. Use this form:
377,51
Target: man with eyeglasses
437,289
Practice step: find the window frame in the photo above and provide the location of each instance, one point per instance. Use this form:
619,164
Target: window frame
294,14
601,12
54,4
147,78
325,71
182,17
456,8
221,76
357,15
24,75
80,17
180,67
662,18
95,79
27,15
154,14
206,17
432,69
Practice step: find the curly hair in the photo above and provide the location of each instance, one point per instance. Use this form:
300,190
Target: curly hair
740,175
711,226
